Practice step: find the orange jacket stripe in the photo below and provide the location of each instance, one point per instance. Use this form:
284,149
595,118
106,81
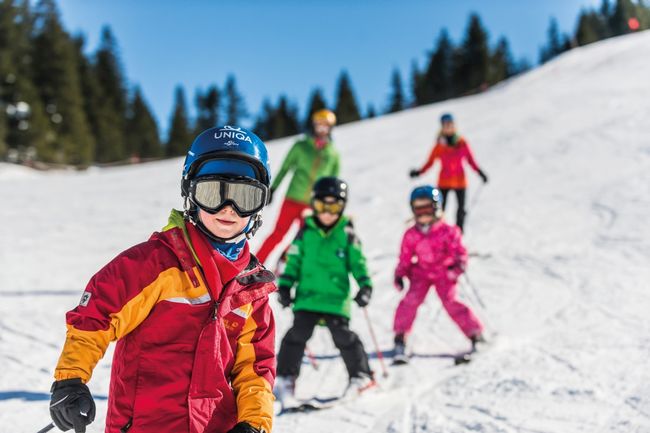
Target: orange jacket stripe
83,349
254,392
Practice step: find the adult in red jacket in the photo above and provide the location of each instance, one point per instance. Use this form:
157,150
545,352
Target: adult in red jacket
451,149
189,310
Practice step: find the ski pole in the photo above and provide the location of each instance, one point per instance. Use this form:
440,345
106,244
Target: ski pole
380,355
47,428
311,357
474,291
488,325
475,198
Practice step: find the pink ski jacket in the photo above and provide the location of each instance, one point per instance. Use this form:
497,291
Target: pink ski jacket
431,254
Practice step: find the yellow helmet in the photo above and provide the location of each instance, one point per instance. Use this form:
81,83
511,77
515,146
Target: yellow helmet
324,115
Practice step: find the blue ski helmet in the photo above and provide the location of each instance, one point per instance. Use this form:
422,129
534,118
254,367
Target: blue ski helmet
427,192
226,150
447,117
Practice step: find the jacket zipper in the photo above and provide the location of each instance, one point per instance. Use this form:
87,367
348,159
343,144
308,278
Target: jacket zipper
215,310
127,426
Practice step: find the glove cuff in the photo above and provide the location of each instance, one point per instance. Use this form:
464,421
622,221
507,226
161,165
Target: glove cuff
66,382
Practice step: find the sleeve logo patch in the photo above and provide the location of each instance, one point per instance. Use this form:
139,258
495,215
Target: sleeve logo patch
85,298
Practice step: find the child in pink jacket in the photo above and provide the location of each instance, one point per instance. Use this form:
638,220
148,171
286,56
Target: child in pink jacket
432,254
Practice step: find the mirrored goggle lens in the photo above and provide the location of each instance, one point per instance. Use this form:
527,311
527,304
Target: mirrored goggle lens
320,206
213,193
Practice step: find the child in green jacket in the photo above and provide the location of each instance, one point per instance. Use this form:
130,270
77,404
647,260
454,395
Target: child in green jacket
319,261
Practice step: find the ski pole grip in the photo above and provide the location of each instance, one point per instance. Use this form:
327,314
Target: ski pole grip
47,428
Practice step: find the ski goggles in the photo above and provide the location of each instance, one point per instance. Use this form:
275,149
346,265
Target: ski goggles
321,206
211,193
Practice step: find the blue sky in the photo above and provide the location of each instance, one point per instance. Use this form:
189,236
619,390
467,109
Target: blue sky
292,46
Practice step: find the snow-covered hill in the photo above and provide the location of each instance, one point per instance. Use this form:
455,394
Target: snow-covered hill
565,218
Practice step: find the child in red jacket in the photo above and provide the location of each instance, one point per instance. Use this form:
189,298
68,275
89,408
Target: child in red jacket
189,310
452,150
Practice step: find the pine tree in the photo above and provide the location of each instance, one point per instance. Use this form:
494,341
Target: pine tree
396,100
3,133
235,108
264,123
556,45
370,112
207,108
285,119
94,104
143,140
416,84
502,65
437,83
591,28
347,109
619,18
180,135
473,58
28,127
110,131
643,14
316,102
57,78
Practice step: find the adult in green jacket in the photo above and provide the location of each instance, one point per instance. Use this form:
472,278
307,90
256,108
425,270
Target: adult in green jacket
310,158
319,263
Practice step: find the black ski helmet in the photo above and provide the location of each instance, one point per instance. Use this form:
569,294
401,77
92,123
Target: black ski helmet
330,186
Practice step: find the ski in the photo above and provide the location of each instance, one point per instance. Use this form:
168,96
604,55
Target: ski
464,358
320,403
467,356
400,359
311,405
478,255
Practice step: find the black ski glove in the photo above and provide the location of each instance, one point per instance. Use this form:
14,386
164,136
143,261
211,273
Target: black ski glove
285,296
483,176
399,283
71,405
243,427
414,173
363,296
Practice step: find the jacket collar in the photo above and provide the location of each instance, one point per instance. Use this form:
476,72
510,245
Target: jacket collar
251,277
311,223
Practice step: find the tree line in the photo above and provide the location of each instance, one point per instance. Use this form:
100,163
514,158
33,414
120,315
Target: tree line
595,24
59,105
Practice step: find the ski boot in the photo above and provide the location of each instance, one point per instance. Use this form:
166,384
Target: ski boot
477,339
358,385
400,357
284,391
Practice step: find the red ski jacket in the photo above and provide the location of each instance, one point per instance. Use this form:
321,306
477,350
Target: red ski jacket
452,174
195,337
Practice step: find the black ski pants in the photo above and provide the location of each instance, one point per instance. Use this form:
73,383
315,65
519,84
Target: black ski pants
460,213
293,344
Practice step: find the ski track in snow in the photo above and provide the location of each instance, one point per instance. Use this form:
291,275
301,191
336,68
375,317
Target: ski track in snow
565,286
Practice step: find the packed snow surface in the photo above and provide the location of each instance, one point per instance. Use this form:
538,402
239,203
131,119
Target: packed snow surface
566,288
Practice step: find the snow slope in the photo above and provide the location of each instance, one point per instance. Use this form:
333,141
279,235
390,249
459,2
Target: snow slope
565,217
